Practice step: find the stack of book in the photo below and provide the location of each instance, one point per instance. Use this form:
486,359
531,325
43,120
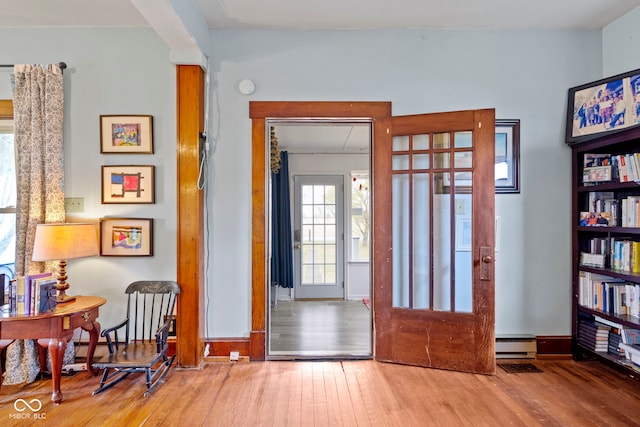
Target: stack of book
31,294
614,343
631,344
593,335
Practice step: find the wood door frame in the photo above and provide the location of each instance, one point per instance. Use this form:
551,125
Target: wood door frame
260,112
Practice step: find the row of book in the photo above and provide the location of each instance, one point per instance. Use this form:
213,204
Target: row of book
31,294
598,167
604,293
603,209
604,336
611,252
604,204
630,211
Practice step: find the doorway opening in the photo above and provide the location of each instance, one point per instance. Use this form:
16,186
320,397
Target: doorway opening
325,310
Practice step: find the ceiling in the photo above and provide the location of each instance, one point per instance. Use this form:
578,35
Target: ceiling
330,14
323,138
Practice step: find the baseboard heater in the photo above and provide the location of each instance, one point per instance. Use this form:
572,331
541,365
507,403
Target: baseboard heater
515,347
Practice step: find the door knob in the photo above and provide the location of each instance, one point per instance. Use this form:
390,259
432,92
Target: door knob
487,259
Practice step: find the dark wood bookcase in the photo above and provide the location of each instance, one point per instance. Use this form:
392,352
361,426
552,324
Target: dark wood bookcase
624,142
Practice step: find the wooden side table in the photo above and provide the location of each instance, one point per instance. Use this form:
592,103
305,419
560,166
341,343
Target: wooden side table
54,330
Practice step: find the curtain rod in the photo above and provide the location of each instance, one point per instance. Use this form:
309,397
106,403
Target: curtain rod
61,64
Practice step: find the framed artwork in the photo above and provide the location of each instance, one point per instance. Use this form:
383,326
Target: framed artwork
128,184
605,106
463,234
507,166
126,236
128,134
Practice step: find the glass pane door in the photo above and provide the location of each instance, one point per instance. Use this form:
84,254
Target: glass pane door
318,236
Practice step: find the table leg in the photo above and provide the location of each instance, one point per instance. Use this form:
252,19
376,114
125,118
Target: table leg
3,344
57,347
94,330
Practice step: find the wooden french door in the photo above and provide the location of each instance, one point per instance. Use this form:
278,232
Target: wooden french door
433,232
433,240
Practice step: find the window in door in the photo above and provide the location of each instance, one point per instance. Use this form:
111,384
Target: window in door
429,182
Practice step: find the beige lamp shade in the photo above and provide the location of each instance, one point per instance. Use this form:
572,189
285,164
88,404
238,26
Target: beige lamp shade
60,242
55,242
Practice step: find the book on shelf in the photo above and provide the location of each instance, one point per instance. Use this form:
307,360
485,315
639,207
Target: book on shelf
630,211
592,260
614,344
600,205
630,335
605,167
624,254
596,168
593,335
597,174
633,299
604,293
596,159
12,295
632,352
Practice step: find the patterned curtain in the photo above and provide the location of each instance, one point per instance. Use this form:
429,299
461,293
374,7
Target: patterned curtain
38,103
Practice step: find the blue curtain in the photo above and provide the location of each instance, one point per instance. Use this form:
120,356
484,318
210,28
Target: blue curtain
281,249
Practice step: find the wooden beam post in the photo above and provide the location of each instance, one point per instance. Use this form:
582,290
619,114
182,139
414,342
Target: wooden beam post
190,256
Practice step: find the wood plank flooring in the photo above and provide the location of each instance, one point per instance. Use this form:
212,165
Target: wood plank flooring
341,393
320,328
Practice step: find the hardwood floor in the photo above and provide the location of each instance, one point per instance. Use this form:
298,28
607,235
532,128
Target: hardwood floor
341,393
320,328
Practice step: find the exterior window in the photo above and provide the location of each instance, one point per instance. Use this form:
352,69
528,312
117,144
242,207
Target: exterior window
7,199
360,217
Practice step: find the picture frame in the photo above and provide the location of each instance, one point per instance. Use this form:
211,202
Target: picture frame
126,134
507,154
126,236
463,234
605,106
128,184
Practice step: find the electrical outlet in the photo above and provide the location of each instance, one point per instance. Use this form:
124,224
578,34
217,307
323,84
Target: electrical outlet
73,204
234,356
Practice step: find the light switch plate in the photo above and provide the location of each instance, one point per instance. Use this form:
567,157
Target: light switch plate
73,204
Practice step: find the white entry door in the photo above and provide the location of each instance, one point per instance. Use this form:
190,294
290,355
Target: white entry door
318,237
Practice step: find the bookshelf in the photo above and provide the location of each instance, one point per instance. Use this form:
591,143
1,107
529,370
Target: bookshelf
606,247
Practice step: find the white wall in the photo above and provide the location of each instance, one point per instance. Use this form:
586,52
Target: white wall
523,74
620,41
110,71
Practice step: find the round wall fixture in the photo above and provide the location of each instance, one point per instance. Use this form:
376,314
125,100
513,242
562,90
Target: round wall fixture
246,87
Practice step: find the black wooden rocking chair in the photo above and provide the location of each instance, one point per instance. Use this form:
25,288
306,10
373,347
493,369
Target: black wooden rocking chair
150,307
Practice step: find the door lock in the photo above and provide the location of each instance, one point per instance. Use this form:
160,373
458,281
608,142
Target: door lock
485,264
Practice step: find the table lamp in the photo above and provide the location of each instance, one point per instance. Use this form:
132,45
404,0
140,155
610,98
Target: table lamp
60,242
